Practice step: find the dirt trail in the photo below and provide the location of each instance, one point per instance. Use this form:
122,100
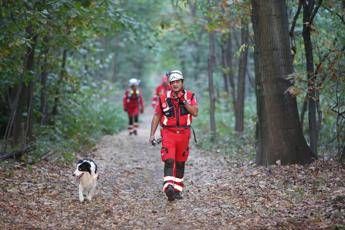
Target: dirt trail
132,175
128,196
219,194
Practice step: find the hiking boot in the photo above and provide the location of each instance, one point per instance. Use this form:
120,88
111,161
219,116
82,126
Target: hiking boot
135,132
178,196
170,192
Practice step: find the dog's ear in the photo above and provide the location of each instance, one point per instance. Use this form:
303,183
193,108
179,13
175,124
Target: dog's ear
95,166
93,162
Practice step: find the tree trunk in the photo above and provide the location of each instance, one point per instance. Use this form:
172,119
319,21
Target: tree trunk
239,110
259,102
20,123
59,83
308,7
225,61
211,64
29,123
44,94
13,101
29,67
279,134
232,83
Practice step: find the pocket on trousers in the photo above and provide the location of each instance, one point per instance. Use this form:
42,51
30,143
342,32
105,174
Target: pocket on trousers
186,152
164,151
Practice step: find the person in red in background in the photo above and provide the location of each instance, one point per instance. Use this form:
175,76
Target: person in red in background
133,103
174,113
160,90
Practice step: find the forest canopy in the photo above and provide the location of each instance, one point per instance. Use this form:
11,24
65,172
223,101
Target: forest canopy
64,65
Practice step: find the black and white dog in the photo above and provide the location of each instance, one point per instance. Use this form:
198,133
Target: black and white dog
86,173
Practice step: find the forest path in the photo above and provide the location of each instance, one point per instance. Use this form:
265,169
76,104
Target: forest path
219,194
132,174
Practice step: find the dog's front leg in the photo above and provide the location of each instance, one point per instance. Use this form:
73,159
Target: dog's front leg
81,196
91,192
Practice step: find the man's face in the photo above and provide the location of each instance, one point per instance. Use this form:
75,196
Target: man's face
176,85
133,87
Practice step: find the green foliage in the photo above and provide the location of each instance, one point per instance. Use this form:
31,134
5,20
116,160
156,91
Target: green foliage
84,118
112,41
228,142
78,27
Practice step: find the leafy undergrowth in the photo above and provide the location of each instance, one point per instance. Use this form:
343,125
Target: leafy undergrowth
221,193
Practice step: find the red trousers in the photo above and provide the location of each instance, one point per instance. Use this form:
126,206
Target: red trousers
175,144
174,152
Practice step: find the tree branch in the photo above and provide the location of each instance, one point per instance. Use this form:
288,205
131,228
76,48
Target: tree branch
293,24
292,29
315,11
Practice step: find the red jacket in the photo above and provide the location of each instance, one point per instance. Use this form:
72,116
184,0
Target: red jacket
174,114
133,102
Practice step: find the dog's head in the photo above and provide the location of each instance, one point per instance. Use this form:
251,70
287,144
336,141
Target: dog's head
85,166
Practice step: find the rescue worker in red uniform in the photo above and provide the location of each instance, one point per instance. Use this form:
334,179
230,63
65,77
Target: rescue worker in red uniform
160,90
174,113
133,103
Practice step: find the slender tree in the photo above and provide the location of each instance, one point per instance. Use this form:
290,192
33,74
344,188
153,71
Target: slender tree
44,93
239,109
60,82
227,66
279,135
225,47
211,64
309,13
19,127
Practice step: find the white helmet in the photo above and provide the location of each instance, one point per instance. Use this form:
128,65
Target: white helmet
133,81
175,75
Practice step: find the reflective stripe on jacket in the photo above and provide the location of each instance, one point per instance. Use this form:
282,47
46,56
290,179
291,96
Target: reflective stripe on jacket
133,101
